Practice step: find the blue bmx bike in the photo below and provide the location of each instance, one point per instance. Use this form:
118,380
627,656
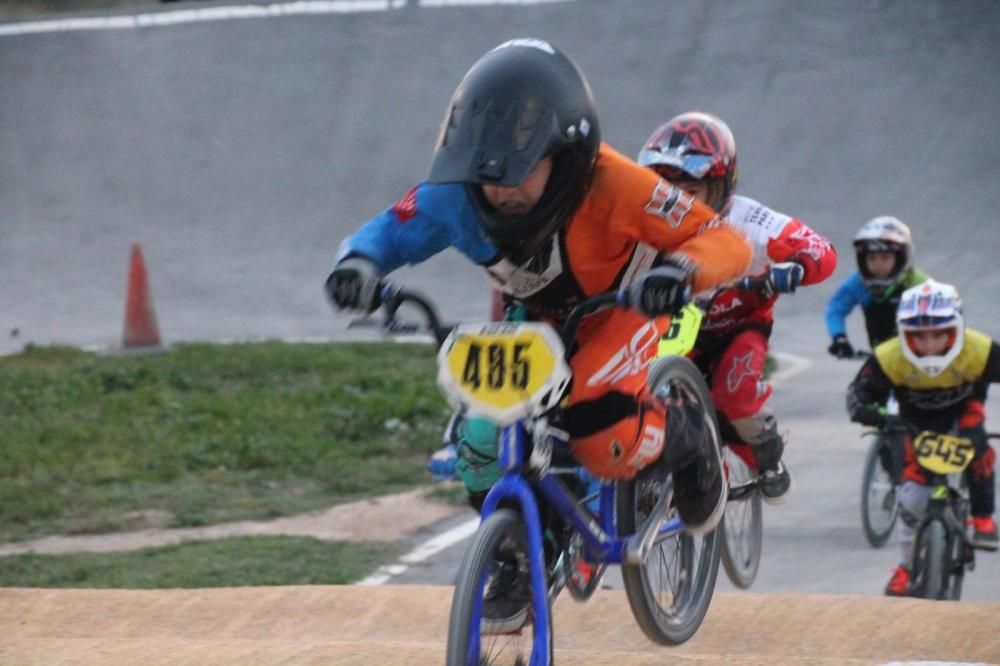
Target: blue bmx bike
517,375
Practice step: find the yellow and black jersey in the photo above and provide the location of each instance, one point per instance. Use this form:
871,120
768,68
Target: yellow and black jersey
929,402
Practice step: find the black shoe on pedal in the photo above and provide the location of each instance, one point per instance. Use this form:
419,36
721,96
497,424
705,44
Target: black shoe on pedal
700,490
775,484
507,598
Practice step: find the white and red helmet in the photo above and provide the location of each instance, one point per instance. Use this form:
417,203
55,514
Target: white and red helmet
884,234
931,306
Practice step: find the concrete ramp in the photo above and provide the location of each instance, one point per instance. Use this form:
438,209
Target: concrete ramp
408,625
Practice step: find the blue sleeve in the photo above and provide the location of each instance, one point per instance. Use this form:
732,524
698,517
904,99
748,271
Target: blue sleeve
431,218
849,294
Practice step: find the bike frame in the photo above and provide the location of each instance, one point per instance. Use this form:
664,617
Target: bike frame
602,543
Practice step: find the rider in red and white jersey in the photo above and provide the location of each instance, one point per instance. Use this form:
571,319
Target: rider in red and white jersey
696,151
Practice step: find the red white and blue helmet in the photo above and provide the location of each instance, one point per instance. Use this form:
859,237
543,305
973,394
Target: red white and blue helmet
695,146
931,306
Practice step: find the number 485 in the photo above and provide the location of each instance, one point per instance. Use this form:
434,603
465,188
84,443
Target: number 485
501,367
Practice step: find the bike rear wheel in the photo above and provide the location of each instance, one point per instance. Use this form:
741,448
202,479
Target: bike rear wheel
742,526
879,508
503,527
930,568
670,592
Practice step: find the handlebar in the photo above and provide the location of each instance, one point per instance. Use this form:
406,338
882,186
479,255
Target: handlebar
391,297
757,283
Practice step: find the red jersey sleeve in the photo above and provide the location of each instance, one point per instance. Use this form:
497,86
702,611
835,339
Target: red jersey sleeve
797,242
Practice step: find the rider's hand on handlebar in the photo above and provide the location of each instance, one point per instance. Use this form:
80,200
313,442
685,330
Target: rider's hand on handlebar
662,291
870,415
354,285
784,278
841,347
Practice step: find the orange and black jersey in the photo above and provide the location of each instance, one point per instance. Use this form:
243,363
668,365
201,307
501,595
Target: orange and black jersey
629,220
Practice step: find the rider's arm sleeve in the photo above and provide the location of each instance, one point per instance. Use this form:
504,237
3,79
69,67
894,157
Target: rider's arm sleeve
429,219
870,386
640,206
717,250
799,243
992,371
846,298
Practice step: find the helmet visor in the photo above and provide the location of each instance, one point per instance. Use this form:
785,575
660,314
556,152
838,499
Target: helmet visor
694,165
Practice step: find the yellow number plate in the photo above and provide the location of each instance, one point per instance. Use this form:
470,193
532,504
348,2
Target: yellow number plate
943,454
503,371
680,337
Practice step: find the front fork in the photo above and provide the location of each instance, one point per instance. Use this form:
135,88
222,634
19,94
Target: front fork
512,486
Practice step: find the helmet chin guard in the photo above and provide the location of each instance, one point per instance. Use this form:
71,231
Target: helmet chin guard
931,306
884,234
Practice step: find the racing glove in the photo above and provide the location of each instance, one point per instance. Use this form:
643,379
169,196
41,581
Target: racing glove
869,415
353,285
784,278
840,347
662,291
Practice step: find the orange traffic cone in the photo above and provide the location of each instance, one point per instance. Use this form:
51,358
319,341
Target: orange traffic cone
140,320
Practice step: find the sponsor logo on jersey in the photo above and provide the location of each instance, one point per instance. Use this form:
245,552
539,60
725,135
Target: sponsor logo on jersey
523,281
670,203
631,359
740,369
406,208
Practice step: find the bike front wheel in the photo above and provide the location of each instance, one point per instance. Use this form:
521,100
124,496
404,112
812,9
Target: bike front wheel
670,591
930,570
468,643
879,508
742,525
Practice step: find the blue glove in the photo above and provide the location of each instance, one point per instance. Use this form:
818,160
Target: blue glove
785,277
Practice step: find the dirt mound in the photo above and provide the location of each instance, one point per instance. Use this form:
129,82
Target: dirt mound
385,518
408,625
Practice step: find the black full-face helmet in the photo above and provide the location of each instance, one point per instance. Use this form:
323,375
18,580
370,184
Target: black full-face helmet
521,102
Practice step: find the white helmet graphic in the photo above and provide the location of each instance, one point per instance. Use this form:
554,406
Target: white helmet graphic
931,306
884,234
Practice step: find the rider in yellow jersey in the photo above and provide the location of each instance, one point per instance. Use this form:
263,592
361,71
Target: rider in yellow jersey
939,372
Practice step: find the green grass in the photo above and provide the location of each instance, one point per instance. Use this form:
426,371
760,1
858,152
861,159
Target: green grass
202,434
225,563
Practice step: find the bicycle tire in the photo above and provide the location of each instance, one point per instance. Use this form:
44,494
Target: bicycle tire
874,502
697,567
929,572
742,529
469,586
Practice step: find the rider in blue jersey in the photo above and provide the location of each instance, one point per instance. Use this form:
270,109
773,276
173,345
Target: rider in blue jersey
884,249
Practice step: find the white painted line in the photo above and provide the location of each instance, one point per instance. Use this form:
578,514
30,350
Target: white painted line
422,552
789,365
236,12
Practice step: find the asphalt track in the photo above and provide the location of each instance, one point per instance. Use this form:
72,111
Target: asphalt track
240,152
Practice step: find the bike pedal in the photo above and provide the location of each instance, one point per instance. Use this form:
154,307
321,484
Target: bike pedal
742,491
